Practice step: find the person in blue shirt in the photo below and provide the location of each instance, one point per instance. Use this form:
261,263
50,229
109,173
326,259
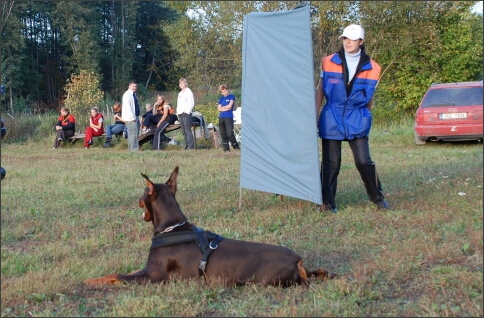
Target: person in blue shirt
225,107
116,128
348,81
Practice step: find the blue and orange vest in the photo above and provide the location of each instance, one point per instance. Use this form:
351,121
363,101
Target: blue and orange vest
345,115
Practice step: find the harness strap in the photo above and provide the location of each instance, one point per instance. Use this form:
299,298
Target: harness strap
208,242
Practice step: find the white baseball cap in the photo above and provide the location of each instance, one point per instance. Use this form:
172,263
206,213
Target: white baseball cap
353,32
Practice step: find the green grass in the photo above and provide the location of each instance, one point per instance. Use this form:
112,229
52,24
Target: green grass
72,214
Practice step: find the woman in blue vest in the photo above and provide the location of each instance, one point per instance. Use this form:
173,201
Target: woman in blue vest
348,80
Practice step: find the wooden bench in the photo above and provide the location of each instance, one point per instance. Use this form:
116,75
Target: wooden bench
147,137
81,136
141,139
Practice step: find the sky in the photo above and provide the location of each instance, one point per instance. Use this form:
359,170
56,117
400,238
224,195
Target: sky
478,7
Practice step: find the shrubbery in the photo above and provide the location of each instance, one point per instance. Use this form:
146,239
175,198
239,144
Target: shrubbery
209,112
83,92
25,127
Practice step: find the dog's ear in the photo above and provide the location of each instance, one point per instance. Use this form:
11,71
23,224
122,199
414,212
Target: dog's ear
149,184
172,180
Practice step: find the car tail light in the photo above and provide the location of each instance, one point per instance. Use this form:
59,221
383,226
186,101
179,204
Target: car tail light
475,115
426,115
419,116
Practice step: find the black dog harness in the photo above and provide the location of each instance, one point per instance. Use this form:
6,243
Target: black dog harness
207,241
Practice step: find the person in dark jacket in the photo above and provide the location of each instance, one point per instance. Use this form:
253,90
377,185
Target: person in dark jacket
65,127
348,81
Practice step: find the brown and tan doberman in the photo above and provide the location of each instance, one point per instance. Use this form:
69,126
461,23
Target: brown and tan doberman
180,250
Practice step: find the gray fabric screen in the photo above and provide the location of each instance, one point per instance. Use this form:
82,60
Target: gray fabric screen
280,143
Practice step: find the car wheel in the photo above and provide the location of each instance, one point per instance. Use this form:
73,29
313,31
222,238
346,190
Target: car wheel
419,141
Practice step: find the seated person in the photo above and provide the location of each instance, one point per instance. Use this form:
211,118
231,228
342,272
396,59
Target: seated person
144,120
153,119
116,128
96,127
168,117
65,127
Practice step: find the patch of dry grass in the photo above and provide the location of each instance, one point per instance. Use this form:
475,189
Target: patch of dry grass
71,214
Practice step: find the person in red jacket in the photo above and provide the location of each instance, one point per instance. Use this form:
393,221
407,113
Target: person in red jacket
65,127
96,126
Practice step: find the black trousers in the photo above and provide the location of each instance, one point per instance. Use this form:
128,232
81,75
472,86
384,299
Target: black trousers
62,134
150,120
159,136
226,126
331,164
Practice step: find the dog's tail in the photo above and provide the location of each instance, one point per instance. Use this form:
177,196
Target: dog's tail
140,276
320,273
303,274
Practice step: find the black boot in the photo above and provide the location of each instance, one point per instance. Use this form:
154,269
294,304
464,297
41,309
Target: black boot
225,146
107,143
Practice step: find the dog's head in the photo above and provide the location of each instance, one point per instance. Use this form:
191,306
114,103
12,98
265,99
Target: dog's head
159,203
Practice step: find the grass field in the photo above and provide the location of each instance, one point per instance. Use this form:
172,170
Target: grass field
72,214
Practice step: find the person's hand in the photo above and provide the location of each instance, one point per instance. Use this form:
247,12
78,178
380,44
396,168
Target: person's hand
58,127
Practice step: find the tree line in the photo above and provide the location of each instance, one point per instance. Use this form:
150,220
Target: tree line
46,43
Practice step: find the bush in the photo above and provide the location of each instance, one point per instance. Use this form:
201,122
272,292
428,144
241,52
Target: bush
46,127
83,92
209,112
23,127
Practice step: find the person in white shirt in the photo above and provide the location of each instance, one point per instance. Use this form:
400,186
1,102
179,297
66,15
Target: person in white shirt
184,108
130,115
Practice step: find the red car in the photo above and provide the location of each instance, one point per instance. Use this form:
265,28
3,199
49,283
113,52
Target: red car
449,112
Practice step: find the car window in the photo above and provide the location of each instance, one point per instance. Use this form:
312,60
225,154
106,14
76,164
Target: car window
458,96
